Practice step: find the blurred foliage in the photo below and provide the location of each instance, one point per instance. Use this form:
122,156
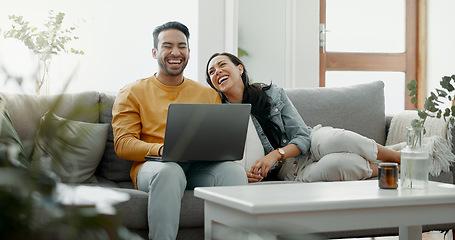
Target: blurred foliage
44,43
50,41
28,209
433,104
28,205
242,53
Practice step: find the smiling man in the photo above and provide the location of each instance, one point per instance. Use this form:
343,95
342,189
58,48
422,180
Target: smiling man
139,122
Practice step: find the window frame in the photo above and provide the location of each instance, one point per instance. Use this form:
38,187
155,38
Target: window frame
412,62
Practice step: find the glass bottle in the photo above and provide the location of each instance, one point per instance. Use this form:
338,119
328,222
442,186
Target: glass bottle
414,161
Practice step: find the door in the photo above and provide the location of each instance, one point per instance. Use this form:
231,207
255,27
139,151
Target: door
369,40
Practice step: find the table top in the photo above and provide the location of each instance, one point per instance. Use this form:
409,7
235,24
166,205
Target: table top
80,195
292,197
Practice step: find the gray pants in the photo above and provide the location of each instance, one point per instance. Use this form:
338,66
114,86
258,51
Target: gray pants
166,182
335,155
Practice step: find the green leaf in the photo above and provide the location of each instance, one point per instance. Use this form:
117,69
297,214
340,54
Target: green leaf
428,104
441,93
445,83
422,114
412,87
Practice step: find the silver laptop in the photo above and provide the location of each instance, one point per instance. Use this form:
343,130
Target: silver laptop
204,132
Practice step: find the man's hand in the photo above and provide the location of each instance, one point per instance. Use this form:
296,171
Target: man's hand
160,151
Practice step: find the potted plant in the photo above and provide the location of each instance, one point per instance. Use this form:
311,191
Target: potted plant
414,158
432,106
44,43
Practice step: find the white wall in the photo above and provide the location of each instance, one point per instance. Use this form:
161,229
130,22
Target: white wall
281,38
116,38
306,72
211,30
262,34
441,41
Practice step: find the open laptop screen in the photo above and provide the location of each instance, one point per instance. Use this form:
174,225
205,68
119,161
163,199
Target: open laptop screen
205,132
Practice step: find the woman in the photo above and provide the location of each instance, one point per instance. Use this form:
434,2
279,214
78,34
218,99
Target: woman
325,153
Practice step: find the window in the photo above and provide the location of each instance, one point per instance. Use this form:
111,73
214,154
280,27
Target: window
374,40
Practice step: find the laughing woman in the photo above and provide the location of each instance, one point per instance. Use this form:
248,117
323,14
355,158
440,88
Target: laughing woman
324,153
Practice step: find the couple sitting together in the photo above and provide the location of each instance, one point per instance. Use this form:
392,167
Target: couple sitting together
139,119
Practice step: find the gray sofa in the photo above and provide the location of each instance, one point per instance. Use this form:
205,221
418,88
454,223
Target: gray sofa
358,108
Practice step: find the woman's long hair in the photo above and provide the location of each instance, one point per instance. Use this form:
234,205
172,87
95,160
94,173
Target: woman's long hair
255,95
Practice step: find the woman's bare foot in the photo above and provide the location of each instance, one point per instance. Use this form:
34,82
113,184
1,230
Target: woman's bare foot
388,155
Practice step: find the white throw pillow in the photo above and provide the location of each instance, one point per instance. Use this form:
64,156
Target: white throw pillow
253,147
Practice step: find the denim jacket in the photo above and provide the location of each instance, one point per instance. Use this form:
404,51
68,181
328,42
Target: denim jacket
285,115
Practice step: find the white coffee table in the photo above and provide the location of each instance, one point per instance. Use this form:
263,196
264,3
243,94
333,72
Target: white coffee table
269,210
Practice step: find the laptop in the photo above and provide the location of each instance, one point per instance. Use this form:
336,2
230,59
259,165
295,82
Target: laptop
204,132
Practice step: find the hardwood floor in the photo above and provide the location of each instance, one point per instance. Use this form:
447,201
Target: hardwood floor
434,235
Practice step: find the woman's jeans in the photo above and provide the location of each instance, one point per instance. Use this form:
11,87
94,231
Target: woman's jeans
336,155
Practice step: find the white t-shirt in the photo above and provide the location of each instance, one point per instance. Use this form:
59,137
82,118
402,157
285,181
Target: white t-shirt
253,147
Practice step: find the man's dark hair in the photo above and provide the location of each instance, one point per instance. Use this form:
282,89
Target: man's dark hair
170,25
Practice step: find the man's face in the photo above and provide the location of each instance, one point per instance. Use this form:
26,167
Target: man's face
172,53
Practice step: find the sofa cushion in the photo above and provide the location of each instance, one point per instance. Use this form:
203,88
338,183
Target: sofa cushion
359,108
26,111
111,166
134,211
75,147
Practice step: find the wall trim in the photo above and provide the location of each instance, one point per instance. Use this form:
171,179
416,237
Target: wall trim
231,25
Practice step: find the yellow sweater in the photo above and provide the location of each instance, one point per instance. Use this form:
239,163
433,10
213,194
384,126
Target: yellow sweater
139,116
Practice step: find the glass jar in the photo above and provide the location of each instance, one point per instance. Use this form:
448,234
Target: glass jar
388,175
414,161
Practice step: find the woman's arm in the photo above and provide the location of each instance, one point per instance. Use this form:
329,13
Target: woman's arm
296,140
263,165
295,129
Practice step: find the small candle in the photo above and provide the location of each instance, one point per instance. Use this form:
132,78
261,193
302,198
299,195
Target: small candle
388,175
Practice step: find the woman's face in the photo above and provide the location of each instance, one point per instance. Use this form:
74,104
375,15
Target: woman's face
225,75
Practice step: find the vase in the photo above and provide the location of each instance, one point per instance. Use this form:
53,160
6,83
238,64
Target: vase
414,161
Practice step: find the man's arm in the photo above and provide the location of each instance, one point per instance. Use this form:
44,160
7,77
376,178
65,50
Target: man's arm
127,127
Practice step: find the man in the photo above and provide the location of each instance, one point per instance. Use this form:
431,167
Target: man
139,122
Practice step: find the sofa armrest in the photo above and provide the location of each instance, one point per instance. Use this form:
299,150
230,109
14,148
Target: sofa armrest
388,121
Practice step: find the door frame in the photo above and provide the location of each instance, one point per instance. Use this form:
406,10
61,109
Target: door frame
412,62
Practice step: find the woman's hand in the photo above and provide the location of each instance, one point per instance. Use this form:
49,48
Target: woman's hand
262,165
253,177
